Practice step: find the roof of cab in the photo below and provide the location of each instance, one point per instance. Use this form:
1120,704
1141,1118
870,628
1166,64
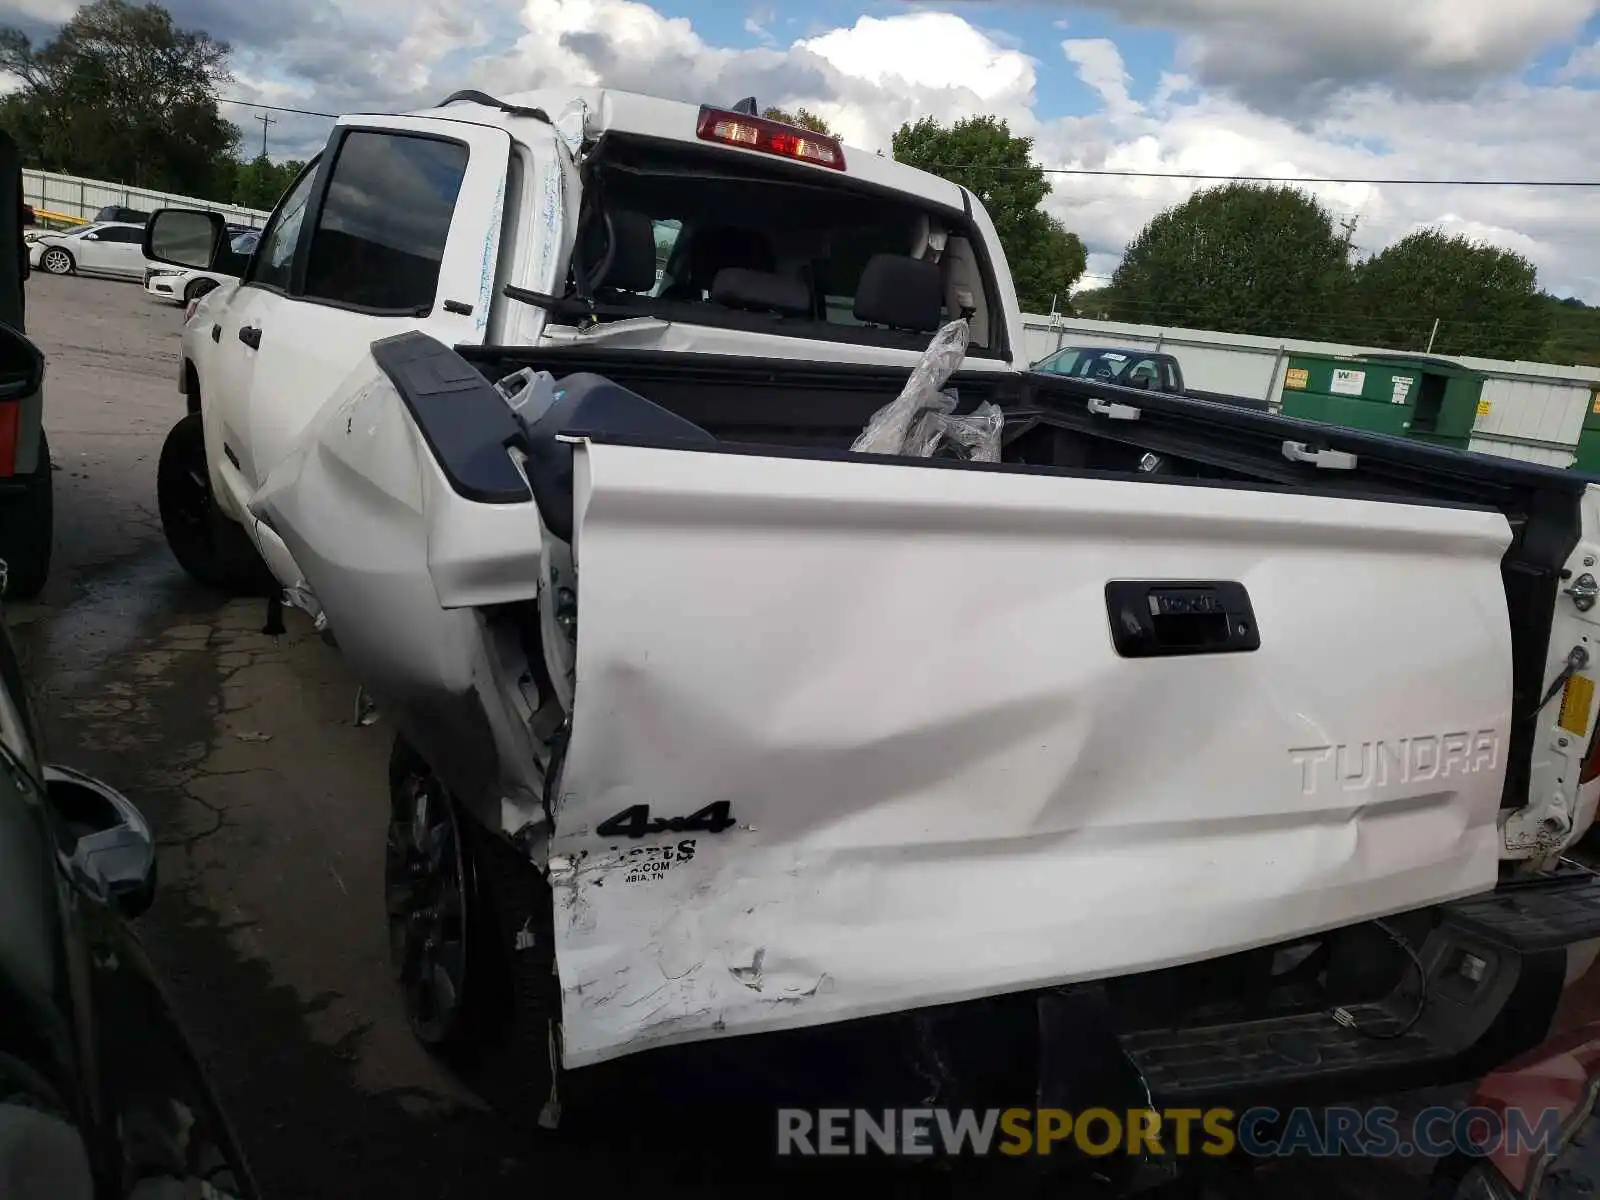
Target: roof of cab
630,112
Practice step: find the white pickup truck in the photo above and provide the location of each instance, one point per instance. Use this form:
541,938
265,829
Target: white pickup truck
1241,730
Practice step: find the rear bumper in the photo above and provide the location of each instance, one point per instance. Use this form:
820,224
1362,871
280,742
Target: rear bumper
1496,966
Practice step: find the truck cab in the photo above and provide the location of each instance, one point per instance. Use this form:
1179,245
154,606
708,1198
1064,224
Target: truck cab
613,219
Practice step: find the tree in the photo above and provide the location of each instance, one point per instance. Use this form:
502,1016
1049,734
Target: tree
803,117
1574,334
982,155
121,93
1486,299
259,184
1240,258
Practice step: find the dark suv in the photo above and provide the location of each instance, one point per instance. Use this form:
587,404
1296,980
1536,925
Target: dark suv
124,215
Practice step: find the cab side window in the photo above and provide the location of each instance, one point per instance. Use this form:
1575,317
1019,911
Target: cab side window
380,234
273,266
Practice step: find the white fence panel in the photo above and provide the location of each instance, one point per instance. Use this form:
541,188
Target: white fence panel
1550,456
83,198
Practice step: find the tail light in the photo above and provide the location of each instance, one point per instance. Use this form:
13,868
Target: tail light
1591,759
10,429
188,310
770,137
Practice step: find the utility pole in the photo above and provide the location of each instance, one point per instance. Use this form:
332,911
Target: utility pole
265,119
1348,228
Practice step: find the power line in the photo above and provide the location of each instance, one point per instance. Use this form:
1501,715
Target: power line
1537,183
1120,174
299,112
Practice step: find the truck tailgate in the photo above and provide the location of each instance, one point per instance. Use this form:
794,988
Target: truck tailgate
855,737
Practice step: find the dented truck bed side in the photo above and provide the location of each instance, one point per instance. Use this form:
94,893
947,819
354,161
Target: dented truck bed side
858,735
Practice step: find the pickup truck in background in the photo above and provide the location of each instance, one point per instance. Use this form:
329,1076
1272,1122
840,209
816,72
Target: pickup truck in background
1146,370
1238,752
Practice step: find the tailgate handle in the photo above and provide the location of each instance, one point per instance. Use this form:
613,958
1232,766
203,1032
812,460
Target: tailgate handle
1166,618
1331,460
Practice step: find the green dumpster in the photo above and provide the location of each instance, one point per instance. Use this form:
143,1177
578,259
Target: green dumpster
1588,450
1429,399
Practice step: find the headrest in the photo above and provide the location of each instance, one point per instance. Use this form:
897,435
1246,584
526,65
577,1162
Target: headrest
759,291
633,265
900,292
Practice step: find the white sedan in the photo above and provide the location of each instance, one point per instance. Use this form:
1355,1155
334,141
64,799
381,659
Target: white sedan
181,285
113,248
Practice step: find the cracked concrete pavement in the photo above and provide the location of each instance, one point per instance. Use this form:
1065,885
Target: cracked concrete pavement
268,798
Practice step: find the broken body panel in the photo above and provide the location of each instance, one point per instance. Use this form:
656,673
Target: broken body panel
840,735
851,736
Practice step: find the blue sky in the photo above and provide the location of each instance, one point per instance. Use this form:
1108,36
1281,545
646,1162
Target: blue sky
1369,89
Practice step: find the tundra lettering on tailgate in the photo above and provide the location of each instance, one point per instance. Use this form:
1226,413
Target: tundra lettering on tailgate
1357,766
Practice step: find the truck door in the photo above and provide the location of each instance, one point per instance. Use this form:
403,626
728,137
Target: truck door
401,230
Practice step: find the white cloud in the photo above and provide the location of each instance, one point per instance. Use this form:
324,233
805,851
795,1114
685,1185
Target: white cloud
1100,67
38,10
1389,75
937,50
1584,64
1279,53
757,25
1506,131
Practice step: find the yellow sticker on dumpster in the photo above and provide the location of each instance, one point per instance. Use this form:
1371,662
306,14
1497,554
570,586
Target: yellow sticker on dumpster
1300,377
1595,407
1575,705
1483,408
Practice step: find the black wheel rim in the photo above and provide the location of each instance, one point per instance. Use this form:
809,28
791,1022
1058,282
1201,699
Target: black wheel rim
423,877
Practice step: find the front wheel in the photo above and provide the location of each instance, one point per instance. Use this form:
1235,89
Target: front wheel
212,549
57,261
197,289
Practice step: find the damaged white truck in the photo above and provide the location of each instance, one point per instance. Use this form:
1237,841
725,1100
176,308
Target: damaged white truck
1243,749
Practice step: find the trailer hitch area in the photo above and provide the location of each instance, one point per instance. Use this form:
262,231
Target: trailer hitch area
1082,1066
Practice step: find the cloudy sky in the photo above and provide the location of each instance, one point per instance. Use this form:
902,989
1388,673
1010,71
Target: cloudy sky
1369,89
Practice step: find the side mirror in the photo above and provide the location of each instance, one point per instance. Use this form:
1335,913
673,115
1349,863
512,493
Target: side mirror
104,841
187,237
21,364
91,237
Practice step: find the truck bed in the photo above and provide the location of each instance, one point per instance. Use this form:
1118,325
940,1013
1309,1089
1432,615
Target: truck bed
823,407
852,736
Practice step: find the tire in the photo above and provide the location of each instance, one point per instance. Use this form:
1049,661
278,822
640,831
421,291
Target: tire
431,902
515,901
502,980
27,531
197,289
56,261
212,549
